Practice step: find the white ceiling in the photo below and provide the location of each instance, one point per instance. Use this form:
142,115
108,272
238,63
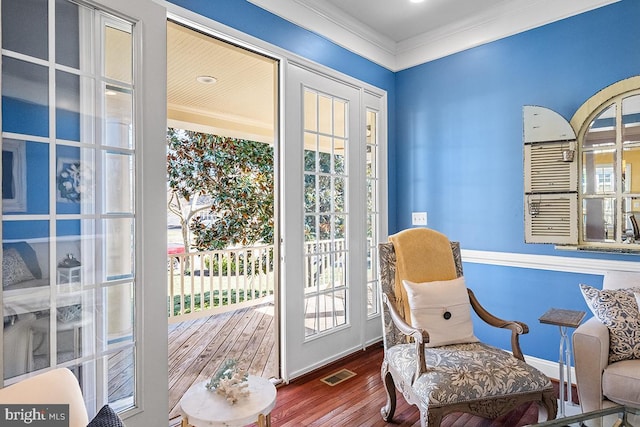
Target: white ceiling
398,34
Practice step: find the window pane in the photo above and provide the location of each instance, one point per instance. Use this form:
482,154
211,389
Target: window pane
340,118
26,177
119,248
25,93
25,26
325,124
631,210
69,260
119,184
118,54
631,169
67,106
598,172
310,193
602,131
310,150
599,222
121,378
26,295
310,111
119,117
119,305
631,119
68,33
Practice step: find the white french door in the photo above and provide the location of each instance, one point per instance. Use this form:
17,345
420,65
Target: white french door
82,101
325,222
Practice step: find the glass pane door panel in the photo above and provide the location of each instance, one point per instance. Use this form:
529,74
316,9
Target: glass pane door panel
373,211
339,116
325,183
68,33
310,112
69,257
121,378
68,161
339,158
119,117
74,111
119,248
25,93
74,322
25,177
119,184
25,27
325,114
26,294
118,53
119,304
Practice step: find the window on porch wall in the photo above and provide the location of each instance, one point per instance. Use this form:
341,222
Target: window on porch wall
68,257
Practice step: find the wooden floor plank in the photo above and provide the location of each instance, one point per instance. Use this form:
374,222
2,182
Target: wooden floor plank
306,401
197,348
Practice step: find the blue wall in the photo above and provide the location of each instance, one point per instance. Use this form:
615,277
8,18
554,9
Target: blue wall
459,151
455,139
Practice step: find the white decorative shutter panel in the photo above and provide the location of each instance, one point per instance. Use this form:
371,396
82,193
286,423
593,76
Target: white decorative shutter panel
555,221
550,178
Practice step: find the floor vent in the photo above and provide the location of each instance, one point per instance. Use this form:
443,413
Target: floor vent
338,377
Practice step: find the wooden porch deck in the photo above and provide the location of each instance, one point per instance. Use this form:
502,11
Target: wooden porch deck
198,347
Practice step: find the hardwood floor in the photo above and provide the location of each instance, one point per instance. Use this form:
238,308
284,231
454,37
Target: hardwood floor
357,401
198,347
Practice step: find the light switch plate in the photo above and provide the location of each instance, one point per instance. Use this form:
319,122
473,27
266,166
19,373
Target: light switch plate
419,218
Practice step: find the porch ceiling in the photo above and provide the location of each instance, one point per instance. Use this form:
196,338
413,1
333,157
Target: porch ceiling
241,103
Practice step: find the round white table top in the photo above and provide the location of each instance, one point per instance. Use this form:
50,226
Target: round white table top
202,407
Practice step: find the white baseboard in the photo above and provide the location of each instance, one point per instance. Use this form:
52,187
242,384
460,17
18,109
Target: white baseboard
550,369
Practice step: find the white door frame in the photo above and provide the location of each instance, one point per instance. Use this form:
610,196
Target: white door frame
372,328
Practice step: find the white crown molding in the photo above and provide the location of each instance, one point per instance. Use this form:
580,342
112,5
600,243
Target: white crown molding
505,20
550,262
342,30
510,18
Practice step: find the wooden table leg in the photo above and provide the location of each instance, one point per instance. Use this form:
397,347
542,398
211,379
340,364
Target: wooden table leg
264,420
184,422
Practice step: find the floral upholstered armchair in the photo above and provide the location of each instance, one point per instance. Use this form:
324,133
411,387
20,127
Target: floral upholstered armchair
438,364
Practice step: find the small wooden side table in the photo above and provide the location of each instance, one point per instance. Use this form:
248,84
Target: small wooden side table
201,407
564,319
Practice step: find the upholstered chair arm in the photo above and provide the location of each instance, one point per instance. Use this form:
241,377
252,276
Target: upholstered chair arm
591,357
420,336
517,328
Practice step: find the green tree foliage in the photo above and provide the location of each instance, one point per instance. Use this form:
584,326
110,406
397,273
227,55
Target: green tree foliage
235,176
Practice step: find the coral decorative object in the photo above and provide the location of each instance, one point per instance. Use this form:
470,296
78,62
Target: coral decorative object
230,381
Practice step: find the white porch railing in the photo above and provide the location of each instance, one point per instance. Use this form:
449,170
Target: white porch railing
211,282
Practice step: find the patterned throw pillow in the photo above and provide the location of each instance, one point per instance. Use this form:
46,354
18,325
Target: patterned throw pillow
442,309
14,269
618,310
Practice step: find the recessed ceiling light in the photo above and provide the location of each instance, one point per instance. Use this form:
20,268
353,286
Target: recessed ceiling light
416,1
207,80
